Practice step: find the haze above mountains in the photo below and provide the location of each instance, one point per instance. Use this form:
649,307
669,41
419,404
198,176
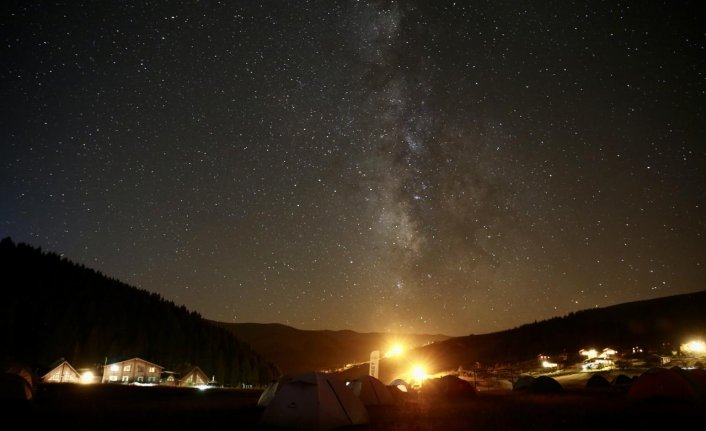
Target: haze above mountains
657,326
54,309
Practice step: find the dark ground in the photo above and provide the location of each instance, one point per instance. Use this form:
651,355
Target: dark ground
113,407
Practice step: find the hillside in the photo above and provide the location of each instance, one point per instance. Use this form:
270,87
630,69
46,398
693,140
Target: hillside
295,350
53,308
657,326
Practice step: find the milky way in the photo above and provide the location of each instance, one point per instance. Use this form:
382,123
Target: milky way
377,166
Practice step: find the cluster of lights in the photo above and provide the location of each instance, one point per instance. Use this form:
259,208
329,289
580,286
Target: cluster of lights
694,347
395,350
546,362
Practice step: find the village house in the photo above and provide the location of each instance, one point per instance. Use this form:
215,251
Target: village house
133,370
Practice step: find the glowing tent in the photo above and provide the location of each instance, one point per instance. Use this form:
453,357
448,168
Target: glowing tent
401,385
314,401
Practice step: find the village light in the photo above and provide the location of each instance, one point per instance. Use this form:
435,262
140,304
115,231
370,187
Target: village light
419,374
694,347
588,353
87,377
395,350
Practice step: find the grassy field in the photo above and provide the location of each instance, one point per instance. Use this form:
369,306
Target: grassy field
113,407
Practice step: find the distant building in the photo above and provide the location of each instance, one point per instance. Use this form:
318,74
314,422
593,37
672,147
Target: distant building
194,377
189,376
62,373
133,370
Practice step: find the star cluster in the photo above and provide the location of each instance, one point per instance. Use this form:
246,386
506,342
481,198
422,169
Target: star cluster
451,167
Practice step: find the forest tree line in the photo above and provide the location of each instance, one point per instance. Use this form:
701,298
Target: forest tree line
53,308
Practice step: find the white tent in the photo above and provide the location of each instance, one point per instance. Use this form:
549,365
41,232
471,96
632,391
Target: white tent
269,393
314,401
371,391
400,385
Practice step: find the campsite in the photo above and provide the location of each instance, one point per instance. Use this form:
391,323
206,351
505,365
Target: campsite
575,406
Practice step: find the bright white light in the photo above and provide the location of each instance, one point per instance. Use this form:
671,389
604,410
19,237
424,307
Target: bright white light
395,350
547,364
114,367
419,374
694,347
87,377
597,364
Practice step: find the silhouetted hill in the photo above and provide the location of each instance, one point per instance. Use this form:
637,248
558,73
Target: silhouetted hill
295,350
53,308
657,325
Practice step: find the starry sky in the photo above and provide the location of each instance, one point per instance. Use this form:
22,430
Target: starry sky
417,166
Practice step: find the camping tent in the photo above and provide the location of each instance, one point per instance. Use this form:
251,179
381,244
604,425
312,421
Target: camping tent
314,401
449,386
17,381
665,383
545,385
597,381
522,383
371,391
401,391
269,393
400,384
621,381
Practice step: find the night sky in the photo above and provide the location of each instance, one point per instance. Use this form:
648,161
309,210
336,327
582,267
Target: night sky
429,167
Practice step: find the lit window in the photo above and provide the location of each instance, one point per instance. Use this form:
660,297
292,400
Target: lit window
126,368
125,379
113,378
114,367
151,369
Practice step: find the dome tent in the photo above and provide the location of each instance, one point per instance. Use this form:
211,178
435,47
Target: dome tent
269,393
522,383
17,381
597,381
662,383
545,385
371,391
449,386
314,401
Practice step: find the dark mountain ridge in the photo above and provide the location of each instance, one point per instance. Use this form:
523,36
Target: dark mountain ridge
655,326
53,308
296,350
